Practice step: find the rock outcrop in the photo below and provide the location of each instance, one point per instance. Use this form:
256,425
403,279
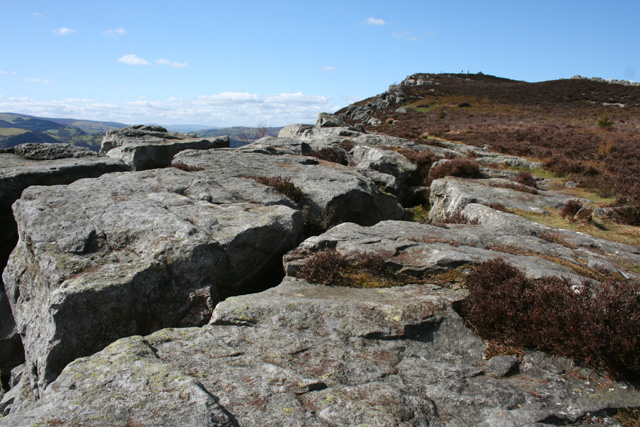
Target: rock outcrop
149,147
179,296
331,191
131,253
21,167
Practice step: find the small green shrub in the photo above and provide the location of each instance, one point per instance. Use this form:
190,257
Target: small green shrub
600,328
605,122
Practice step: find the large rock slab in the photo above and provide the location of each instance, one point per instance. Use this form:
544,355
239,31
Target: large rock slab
332,191
149,147
450,195
429,252
130,253
20,167
304,354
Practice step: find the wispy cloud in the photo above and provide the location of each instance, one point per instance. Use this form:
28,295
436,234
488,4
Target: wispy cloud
41,81
376,21
131,59
172,64
408,35
224,109
37,15
114,32
327,68
64,31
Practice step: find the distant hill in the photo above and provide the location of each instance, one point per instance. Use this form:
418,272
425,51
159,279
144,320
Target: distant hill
21,128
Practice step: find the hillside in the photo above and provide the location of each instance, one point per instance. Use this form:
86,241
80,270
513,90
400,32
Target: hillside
20,128
585,130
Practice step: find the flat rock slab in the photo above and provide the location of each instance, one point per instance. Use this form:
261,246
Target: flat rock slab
143,155
334,192
429,252
130,253
450,195
18,173
303,354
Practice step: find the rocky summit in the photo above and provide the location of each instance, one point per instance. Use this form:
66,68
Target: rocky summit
320,278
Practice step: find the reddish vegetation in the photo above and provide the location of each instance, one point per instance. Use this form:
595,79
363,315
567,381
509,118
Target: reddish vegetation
576,125
282,184
330,155
461,167
329,267
600,328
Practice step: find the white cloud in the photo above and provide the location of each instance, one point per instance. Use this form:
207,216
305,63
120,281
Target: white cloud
115,32
327,68
3,72
34,80
223,109
64,31
37,15
405,35
376,21
172,64
131,59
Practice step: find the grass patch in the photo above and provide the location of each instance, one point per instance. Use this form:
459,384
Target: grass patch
600,328
603,229
420,214
12,131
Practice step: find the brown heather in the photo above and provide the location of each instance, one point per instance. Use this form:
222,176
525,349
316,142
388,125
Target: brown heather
600,328
553,121
282,184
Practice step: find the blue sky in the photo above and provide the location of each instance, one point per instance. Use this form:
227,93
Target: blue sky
277,62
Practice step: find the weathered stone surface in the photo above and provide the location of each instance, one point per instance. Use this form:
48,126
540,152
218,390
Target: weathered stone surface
135,134
149,147
450,195
68,164
510,161
303,354
429,252
335,192
37,151
130,253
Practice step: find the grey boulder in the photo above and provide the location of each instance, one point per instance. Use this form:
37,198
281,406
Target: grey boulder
130,253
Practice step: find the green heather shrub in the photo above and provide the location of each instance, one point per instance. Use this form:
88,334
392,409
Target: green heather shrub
605,122
599,326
